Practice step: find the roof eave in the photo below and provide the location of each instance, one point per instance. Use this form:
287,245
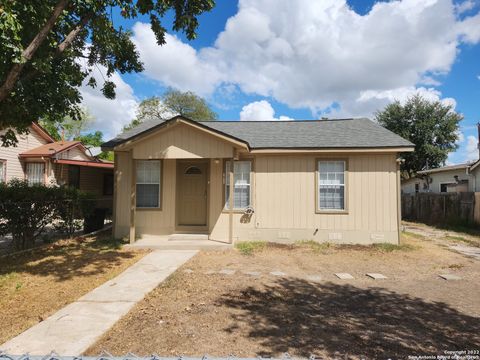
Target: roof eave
431,171
333,149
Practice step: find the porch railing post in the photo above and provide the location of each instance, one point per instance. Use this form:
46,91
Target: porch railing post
230,203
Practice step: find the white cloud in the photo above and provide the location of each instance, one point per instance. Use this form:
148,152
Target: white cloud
461,137
469,29
110,115
370,100
260,111
175,64
471,148
319,53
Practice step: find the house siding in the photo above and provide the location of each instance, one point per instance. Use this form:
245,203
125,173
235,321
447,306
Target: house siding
283,197
284,190
182,142
10,154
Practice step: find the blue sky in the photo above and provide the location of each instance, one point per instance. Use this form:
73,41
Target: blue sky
283,59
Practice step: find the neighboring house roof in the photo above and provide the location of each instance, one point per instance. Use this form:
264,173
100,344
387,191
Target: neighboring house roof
297,134
42,132
55,148
445,168
95,151
51,149
474,165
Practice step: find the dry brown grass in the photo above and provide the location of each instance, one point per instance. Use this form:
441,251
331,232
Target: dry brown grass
35,284
412,312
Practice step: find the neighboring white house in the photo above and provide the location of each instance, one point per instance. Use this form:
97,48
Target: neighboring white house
452,178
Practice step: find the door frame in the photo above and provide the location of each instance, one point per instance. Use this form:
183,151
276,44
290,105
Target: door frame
195,229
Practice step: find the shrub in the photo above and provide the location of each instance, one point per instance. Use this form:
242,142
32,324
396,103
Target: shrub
25,210
73,205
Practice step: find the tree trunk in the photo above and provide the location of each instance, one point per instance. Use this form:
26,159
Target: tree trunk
28,53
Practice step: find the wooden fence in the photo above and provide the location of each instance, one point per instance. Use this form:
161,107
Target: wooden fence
446,208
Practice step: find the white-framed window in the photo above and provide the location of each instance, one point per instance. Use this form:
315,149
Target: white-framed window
242,184
3,171
331,185
148,183
35,173
444,187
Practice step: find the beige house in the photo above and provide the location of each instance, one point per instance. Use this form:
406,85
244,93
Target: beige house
327,180
38,158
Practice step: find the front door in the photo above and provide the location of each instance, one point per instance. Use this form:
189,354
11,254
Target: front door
192,193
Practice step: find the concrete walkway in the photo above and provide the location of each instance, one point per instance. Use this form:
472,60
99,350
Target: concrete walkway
440,237
73,329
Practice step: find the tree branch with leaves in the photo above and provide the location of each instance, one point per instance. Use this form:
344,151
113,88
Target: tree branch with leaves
42,42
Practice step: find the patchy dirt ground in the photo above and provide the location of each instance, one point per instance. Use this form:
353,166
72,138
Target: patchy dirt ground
412,312
445,236
36,284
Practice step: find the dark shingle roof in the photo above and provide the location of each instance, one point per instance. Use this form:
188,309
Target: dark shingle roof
341,133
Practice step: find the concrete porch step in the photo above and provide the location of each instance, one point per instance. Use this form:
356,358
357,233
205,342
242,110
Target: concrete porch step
182,237
162,243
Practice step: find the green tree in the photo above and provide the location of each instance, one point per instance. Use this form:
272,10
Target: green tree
171,103
52,128
49,48
93,139
431,125
68,128
187,104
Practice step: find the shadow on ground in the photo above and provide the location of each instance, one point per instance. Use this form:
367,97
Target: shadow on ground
304,318
66,259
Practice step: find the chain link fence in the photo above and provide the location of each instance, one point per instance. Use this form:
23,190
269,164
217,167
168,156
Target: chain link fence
131,356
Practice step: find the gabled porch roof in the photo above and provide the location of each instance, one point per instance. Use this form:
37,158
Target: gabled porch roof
149,128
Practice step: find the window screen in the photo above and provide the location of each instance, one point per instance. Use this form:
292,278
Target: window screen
331,185
241,180
35,173
148,183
